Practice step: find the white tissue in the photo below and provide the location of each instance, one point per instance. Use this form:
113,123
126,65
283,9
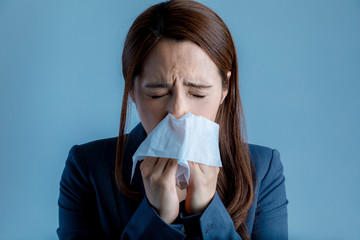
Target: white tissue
190,138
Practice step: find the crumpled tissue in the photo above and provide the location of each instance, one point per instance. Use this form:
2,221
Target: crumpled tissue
189,138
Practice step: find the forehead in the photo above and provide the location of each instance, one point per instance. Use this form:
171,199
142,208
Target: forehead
183,60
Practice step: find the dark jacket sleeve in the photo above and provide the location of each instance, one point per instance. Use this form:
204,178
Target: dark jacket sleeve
78,210
147,224
78,218
216,222
271,212
78,214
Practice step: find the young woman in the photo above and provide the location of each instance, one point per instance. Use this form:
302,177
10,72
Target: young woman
178,57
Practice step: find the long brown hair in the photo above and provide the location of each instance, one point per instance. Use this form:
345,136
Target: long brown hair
185,20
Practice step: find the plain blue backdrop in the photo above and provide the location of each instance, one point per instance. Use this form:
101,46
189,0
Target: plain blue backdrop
61,84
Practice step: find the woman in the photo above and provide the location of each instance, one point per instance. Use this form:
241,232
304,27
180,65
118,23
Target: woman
178,57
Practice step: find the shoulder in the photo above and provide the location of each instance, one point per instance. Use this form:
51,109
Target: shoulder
98,156
95,155
268,214
97,148
265,159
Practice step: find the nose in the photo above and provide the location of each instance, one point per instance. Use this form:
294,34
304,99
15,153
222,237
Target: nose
177,105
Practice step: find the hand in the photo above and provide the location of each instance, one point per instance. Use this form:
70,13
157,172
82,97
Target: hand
202,187
159,177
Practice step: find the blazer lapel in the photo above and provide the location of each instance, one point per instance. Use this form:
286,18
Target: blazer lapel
126,207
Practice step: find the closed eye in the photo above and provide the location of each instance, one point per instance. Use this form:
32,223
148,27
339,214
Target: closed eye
158,96
198,96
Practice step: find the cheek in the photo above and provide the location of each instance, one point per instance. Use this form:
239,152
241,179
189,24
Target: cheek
150,114
212,105
207,108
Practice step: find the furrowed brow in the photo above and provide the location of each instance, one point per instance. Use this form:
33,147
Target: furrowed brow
158,85
201,86
168,85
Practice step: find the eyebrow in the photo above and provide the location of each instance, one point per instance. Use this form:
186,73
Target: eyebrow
167,85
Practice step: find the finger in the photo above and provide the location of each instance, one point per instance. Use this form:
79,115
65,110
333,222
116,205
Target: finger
194,168
160,166
206,169
203,168
148,165
170,168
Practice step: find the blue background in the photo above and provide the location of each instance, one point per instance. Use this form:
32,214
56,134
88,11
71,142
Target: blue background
61,84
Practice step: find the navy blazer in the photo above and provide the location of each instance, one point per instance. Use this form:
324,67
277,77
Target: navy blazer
92,207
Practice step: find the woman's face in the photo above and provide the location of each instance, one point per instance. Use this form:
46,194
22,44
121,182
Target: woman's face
177,77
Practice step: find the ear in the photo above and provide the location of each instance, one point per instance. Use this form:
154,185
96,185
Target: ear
228,75
225,91
223,95
132,96
132,91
